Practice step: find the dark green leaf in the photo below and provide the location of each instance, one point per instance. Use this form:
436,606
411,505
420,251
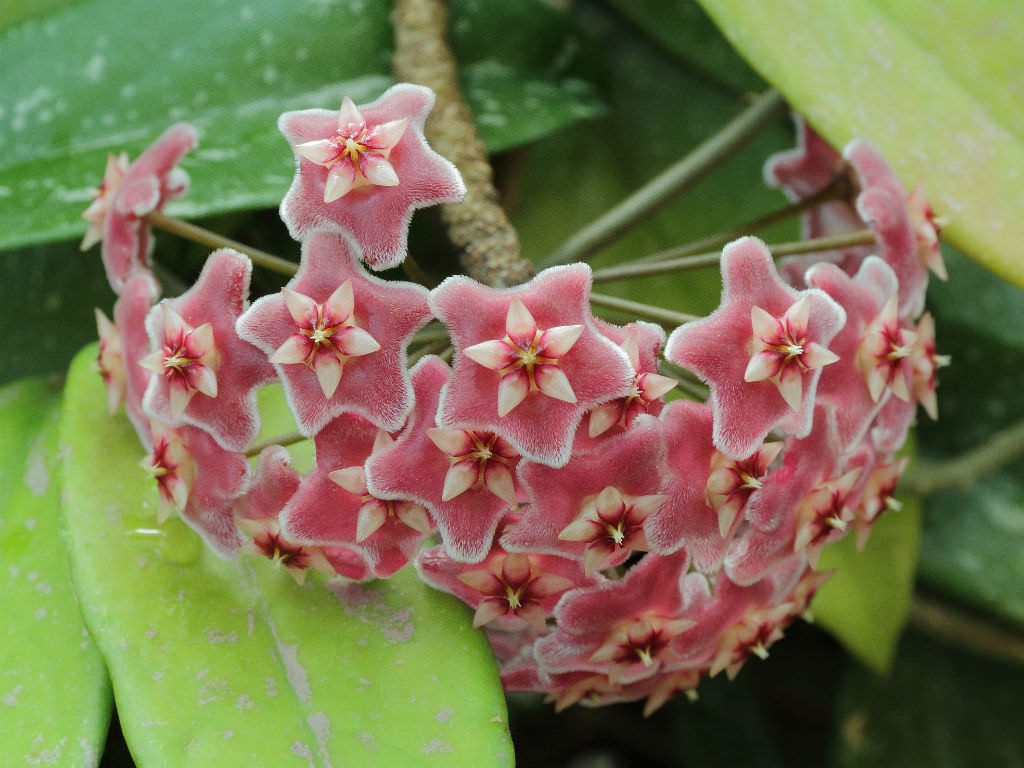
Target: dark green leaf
104,76
942,708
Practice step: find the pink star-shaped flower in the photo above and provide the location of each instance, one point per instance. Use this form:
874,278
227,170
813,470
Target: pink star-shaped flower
624,628
506,591
205,375
845,386
761,351
130,313
365,170
464,477
594,508
333,508
201,479
641,342
131,190
337,337
707,492
529,361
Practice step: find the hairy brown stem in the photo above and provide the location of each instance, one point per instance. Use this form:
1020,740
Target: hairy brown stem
478,225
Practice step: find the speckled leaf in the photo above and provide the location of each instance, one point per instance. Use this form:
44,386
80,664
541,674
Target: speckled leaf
54,695
221,663
942,708
866,602
935,86
102,76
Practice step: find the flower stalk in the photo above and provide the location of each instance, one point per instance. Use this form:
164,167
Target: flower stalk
643,203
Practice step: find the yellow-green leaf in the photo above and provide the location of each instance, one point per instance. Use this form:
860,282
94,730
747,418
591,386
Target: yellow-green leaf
54,694
224,663
866,602
937,87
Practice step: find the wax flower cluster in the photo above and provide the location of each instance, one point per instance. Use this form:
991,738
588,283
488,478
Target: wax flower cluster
615,543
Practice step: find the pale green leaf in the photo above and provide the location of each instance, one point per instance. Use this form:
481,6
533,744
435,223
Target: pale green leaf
866,602
54,694
102,76
935,87
221,663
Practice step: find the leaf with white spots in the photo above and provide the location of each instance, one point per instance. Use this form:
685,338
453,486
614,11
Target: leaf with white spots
102,76
54,694
218,662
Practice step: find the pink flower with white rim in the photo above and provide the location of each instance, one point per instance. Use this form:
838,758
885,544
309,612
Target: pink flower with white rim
761,352
201,480
623,628
130,191
925,363
529,362
823,515
464,477
507,591
327,335
884,354
319,336
843,387
334,509
365,170
206,375
641,342
595,507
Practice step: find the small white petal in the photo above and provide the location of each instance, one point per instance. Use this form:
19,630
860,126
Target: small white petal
328,372
512,390
340,180
386,135
817,356
797,315
519,323
552,381
372,516
498,480
763,365
203,379
341,303
454,442
414,516
493,354
179,396
378,171
460,478
655,385
349,114
320,151
559,340
295,350
355,341
791,387
301,307
765,325
602,419
352,479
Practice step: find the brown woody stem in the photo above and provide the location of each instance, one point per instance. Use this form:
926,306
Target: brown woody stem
478,225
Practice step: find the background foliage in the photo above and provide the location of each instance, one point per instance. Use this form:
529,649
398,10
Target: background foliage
580,106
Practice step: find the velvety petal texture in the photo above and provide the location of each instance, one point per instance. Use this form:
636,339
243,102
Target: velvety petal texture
720,349
550,389
366,365
205,374
376,212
